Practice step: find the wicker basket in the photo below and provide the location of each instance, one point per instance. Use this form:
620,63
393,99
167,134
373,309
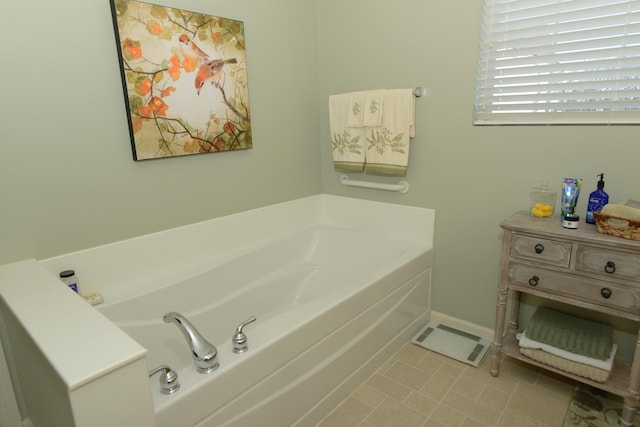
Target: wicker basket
617,226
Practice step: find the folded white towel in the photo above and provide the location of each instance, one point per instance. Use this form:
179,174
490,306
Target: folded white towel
347,143
373,101
388,145
597,363
356,109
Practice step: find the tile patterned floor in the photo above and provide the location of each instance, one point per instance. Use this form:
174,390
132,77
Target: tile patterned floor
420,388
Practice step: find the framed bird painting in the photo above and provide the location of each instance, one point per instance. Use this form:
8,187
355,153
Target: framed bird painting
185,81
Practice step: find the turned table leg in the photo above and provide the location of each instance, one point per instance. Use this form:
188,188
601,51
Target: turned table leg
498,338
632,396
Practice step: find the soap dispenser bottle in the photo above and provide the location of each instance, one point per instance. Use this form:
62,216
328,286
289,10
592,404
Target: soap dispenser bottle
597,200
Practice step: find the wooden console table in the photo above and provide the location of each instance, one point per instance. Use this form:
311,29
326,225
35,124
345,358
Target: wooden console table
580,267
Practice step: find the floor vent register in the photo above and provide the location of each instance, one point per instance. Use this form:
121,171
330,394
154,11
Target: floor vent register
452,342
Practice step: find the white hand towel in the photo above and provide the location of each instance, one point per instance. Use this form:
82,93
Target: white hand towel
373,101
388,145
356,109
347,143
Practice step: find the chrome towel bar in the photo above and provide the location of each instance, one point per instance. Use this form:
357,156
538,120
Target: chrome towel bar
402,186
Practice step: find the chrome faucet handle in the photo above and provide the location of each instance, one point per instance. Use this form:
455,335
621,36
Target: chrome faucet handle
168,379
240,339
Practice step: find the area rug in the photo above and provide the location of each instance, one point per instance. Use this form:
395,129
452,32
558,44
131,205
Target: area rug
591,407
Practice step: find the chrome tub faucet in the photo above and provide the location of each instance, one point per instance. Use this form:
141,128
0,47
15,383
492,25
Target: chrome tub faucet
205,354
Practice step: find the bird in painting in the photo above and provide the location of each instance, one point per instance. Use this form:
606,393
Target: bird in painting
191,50
211,71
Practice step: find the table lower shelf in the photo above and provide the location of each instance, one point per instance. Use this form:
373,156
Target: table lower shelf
618,382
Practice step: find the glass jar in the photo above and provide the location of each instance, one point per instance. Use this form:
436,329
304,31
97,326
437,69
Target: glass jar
543,201
70,279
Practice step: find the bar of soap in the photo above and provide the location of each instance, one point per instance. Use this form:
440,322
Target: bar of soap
94,298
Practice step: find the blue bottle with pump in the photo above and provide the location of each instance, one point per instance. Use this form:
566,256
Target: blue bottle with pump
597,200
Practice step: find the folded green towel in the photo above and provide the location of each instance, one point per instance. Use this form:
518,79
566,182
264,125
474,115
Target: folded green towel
575,334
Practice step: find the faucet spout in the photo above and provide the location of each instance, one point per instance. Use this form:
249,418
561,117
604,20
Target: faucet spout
205,354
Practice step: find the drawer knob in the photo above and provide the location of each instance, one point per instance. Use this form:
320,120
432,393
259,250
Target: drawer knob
605,292
610,267
533,281
539,248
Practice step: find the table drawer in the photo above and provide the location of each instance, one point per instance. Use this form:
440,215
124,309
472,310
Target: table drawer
543,250
601,293
610,263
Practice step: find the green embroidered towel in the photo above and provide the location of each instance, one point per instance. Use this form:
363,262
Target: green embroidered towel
575,334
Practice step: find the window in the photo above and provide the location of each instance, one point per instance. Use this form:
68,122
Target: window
559,61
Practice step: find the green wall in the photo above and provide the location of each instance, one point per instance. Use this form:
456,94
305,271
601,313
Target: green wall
68,181
473,177
67,178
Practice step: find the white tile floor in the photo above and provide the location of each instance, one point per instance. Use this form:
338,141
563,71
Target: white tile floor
421,388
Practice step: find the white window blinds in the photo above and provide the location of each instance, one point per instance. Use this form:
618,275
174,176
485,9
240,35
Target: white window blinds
559,61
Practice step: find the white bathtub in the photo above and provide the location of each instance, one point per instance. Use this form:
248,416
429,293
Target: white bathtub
327,300
336,285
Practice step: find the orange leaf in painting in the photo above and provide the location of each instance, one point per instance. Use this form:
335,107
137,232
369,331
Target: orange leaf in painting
174,70
137,125
229,128
158,106
145,111
219,144
205,147
189,64
168,91
143,87
154,28
217,37
190,146
131,50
